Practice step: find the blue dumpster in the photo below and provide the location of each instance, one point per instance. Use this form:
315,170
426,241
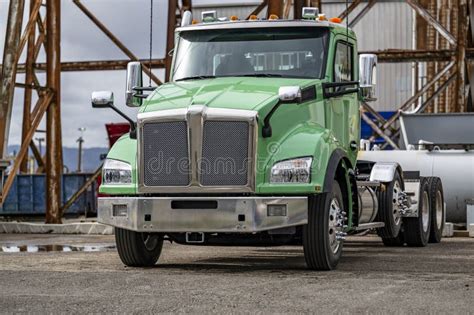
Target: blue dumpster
27,195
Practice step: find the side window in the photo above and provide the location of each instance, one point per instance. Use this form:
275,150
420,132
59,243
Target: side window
343,63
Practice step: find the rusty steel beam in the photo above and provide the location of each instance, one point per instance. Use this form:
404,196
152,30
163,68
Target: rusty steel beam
316,4
115,40
298,9
172,6
453,28
8,74
433,96
388,56
379,131
380,120
460,85
186,5
30,26
82,189
286,9
415,97
29,82
362,13
431,45
54,159
37,154
432,21
349,9
42,105
97,65
442,44
408,55
31,86
258,9
275,7
42,35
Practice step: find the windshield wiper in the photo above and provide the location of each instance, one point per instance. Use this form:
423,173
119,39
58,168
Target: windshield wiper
274,75
268,75
197,77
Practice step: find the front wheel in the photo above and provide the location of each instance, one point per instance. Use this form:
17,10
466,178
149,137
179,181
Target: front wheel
138,249
323,235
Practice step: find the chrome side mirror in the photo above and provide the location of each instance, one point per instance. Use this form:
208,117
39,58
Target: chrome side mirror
102,99
134,80
187,18
368,77
289,94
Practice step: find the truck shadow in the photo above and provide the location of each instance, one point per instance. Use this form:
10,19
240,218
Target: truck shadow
269,261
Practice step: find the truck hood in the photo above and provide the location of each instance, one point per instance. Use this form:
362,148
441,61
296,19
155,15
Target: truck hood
249,93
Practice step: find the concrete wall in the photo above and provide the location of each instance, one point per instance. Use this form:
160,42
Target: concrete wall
389,24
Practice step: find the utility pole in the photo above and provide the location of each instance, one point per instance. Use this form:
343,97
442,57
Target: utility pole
79,154
54,159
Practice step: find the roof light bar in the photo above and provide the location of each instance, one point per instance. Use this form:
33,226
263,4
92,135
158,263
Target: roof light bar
310,13
209,16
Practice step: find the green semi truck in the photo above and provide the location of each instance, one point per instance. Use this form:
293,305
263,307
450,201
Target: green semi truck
254,141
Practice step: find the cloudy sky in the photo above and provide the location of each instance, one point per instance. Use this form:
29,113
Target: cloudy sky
81,40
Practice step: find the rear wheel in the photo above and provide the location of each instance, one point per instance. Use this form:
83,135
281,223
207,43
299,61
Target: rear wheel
138,249
389,209
417,230
437,209
395,241
323,235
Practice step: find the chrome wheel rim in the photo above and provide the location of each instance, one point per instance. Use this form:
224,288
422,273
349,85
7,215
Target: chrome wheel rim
150,241
335,225
396,203
439,209
425,211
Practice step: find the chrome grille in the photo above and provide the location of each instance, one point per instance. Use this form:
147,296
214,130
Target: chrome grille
224,159
165,154
218,146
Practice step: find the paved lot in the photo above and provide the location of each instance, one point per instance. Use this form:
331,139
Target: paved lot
370,278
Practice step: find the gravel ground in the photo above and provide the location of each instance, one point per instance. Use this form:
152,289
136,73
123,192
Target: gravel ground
188,279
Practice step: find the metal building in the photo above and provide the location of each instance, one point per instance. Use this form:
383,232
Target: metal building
393,21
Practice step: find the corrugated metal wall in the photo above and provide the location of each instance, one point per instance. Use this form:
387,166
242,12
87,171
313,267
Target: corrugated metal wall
387,25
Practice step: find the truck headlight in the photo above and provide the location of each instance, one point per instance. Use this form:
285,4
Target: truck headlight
116,172
292,171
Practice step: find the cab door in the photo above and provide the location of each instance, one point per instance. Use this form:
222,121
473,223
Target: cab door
342,105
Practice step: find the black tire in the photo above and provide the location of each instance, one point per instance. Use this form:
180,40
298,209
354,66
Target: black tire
387,213
395,241
437,209
318,252
417,230
138,249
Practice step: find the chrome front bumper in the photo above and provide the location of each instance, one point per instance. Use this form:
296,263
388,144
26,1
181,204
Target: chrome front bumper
203,214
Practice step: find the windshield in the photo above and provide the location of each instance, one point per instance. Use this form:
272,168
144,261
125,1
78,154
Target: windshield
297,52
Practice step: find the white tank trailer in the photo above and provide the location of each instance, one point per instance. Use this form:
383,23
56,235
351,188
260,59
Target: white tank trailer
440,145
